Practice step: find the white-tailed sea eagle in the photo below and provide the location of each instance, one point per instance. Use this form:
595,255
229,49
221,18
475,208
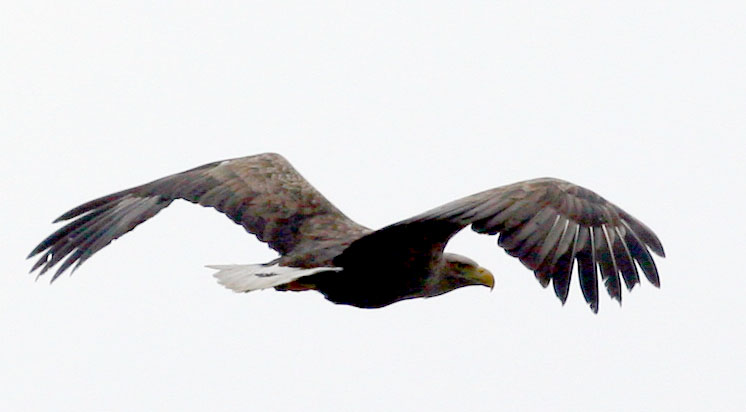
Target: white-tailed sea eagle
547,223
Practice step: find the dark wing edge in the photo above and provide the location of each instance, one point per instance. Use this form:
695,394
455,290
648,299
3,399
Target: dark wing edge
549,224
263,193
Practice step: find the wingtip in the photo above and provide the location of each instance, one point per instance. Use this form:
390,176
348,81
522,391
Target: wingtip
651,273
69,214
656,247
58,273
644,233
594,307
661,252
38,249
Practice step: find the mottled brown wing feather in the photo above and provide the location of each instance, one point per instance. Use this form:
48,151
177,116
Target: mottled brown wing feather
549,224
263,193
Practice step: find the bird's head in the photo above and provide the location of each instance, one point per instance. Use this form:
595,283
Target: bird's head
459,271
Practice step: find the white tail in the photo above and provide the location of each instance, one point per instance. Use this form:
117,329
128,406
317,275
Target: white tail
245,278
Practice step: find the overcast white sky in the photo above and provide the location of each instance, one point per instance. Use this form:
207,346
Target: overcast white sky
388,108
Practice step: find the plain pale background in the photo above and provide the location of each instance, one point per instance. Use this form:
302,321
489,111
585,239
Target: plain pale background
389,109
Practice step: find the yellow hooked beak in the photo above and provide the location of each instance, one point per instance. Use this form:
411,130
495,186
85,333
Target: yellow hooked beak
484,277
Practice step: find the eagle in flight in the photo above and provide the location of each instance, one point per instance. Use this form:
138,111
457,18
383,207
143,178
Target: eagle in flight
549,224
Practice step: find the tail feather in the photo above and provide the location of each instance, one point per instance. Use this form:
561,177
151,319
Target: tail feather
245,278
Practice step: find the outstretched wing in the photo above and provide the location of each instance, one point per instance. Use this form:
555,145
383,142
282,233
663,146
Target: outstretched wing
549,224
263,193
